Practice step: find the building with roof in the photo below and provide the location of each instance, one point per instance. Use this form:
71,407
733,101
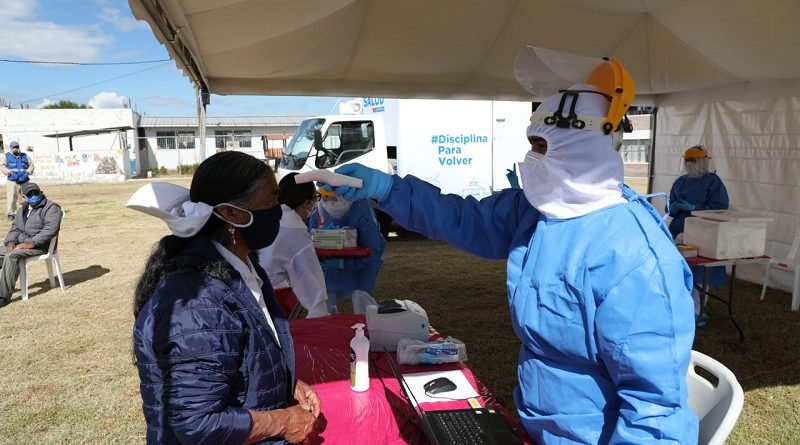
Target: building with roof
172,141
96,145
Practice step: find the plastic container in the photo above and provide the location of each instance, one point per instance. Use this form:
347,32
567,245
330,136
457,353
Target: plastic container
411,351
725,234
359,360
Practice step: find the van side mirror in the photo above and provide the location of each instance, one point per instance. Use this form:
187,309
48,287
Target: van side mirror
318,139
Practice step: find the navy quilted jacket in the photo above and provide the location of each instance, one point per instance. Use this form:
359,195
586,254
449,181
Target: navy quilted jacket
206,354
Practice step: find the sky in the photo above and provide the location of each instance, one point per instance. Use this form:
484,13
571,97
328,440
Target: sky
102,31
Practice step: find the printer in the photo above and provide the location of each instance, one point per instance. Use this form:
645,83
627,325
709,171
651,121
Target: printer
392,320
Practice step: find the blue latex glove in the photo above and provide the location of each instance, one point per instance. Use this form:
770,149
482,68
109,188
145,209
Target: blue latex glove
376,184
672,210
513,179
682,206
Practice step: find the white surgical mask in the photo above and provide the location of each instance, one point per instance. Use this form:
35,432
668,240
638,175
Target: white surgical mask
336,208
533,156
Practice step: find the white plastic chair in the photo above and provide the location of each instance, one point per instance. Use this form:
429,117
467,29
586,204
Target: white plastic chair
717,407
49,258
789,264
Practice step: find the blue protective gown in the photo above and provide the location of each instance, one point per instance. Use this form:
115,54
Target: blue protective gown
354,273
601,304
706,192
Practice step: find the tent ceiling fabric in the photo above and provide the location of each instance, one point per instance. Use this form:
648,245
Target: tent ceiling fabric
466,48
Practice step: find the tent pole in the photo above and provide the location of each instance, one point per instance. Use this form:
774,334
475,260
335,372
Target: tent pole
203,99
651,173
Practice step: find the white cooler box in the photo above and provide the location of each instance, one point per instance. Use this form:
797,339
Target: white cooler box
726,234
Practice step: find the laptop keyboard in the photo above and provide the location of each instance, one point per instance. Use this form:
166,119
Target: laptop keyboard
459,427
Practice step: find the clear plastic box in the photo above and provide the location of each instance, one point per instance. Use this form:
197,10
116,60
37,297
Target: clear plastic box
726,234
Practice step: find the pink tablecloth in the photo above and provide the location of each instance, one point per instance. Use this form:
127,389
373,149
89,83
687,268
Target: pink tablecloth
377,416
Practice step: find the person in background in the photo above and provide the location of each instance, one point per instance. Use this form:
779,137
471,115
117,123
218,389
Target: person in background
598,293
350,277
36,222
291,262
213,350
17,167
698,189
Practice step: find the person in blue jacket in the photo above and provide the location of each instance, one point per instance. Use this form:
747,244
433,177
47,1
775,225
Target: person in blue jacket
350,277
698,189
213,349
598,293
17,166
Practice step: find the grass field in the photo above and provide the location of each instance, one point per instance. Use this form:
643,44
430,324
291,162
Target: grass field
66,375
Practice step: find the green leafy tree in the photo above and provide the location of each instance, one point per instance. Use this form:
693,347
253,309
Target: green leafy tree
65,104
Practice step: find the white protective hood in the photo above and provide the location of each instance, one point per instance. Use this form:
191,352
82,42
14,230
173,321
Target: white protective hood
581,171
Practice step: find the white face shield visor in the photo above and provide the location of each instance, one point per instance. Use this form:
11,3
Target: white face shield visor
696,168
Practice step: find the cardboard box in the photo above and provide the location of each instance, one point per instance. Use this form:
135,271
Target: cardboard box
334,238
725,234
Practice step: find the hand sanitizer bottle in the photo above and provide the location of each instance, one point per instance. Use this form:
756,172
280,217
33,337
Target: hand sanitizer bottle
359,360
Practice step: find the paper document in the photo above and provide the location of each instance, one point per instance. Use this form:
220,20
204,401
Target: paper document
464,389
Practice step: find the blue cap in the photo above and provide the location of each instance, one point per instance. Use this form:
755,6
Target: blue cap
14,144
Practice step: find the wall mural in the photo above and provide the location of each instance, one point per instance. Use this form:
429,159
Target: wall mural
79,166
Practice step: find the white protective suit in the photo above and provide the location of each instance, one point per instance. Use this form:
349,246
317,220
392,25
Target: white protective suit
290,261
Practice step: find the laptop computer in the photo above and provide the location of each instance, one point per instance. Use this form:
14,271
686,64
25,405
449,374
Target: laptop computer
479,426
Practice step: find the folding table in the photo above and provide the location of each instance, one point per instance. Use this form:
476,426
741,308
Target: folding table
705,263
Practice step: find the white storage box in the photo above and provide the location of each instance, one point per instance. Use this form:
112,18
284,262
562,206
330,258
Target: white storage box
726,234
335,238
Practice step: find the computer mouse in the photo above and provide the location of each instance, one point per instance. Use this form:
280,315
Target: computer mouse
438,385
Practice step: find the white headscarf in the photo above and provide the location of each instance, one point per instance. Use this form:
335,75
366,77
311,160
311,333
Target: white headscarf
581,171
170,203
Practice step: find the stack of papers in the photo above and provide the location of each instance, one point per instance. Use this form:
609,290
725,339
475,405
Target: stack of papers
687,251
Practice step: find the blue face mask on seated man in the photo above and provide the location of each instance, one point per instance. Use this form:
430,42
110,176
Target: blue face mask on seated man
35,199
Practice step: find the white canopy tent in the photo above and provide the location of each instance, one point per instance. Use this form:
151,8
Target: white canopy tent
725,74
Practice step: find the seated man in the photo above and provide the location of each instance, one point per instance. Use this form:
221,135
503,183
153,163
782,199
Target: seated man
36,222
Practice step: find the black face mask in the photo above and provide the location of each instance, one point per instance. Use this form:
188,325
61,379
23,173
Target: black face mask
263,227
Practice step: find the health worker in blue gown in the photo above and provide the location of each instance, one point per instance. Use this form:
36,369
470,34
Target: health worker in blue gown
598,293
350,277
698,189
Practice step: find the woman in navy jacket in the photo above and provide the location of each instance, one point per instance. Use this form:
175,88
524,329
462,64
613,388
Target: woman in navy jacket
214,352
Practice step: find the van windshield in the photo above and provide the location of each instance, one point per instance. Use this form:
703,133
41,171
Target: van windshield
295,154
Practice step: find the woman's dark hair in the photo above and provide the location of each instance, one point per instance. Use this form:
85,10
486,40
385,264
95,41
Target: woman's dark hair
293,194
229,176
